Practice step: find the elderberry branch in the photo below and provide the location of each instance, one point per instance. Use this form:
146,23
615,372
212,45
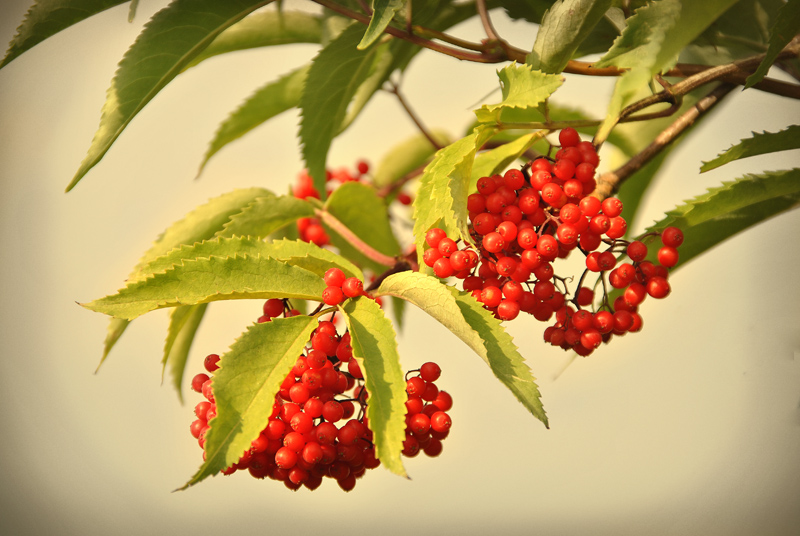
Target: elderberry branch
609,183
353,239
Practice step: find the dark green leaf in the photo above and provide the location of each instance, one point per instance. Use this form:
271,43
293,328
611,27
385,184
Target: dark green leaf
529,10
478,328
360,209
382,13
787,25
245,386
45,18
336,74
183,324
375,349
563,29
267,102
760,143
264,29
172,38
731,208
206,280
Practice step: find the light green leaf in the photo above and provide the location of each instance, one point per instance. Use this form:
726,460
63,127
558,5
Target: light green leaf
245,386
375,348
442,196
266,215
523,88
45,18
731,208
563,29
183,324
201,223
212,279
787,25
264,29
267,102
132,10
479,329
407,156
336,74
295,252
382,13
760,143
495,160
172,38
360,209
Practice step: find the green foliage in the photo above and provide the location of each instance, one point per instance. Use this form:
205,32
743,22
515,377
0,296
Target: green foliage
467,319
170,41
382,13
375,349
245,386
523,89
563,29
183,324
760,143
786,27
406,157
724,211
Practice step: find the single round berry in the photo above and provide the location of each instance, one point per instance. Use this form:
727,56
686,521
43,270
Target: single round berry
352,287
334,277
430,371
332,295
569,137
672,236
211,362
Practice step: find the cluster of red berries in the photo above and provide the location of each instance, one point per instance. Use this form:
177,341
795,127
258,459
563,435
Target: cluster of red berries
314,432
339,287
527,218
310,229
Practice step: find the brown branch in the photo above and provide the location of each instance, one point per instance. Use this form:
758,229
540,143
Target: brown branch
609,183
394,89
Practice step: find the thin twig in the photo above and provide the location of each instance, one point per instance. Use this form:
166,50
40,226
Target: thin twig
353,239
609,183
491,33
394,89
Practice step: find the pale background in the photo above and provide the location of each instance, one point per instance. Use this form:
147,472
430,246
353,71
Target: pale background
690,427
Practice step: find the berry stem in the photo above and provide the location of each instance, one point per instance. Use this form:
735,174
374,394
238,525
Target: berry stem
345,232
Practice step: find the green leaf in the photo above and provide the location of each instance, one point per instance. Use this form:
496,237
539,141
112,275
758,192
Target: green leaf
206,280
760,143
336,74
201,223
360,209
563,29
375,348
523,88
267,102
172,38
264,29
382,13
478,328
787,25
735,206
495,160
45,18
529,10
183,324
406,157
266,215
295,252
245,386
442,196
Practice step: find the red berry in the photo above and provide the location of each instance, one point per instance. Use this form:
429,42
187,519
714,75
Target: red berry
211,362
569,137
332,295
672,236
352,287
430,371
668,256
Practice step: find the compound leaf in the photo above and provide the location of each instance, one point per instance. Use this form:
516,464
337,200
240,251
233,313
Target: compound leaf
266,215
564,27
210,279
735,206
375,348
267,102
470,322
172,38
523,89
787,25
760,143
442,196
245,386
45,18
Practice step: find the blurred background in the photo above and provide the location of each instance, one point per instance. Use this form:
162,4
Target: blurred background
690,427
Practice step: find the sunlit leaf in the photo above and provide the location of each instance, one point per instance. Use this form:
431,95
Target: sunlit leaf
406,157
760,143
523,88
382,13
183,324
